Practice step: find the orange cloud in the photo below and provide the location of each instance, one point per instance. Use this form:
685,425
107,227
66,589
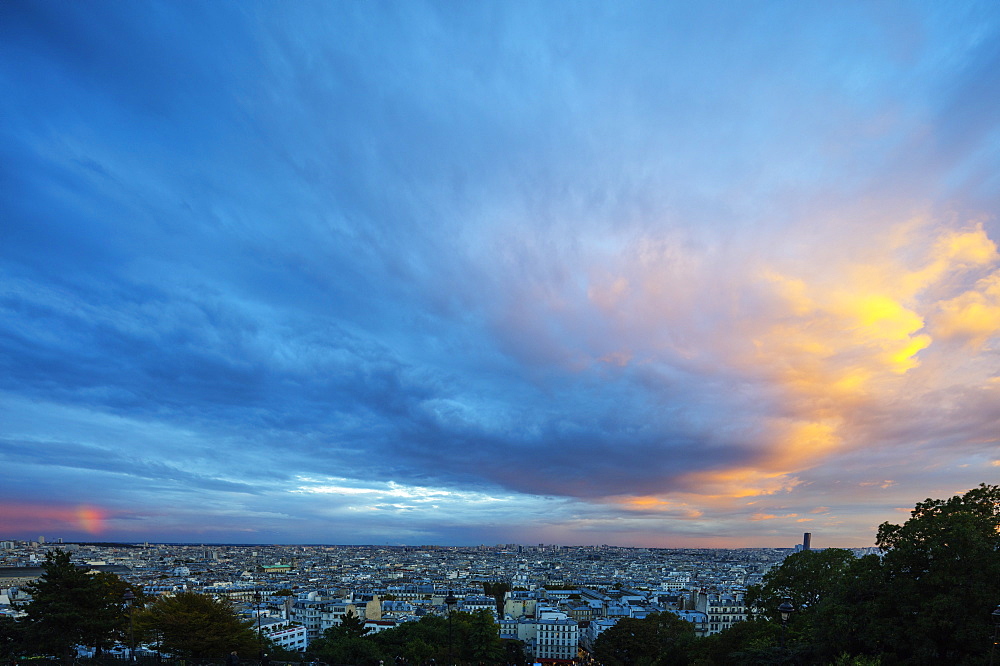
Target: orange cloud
870,314
973,316
771,516
885,485
794,446
738,483
800,443
837,341
833,342
658,504
829,342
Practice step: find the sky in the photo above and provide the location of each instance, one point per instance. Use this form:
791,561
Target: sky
661,274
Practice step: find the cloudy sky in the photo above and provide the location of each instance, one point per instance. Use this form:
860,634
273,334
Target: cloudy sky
665,274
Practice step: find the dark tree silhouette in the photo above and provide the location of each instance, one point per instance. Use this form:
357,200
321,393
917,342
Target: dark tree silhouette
70,607
192,625
942,579
660,639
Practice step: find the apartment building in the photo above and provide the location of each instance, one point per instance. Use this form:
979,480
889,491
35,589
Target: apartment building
284,633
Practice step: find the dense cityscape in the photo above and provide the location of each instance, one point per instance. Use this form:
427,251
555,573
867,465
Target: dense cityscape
306,589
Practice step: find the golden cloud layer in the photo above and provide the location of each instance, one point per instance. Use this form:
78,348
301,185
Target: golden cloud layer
832,339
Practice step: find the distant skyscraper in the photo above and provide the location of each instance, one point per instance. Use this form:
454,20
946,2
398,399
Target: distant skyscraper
41,539
807,541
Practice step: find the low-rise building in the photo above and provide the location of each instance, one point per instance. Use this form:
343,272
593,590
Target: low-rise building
595,629
548,640
286,634
697,618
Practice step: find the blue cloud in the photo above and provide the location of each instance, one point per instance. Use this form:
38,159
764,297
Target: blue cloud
520,251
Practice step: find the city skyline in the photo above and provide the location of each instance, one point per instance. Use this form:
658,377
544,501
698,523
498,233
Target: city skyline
643,274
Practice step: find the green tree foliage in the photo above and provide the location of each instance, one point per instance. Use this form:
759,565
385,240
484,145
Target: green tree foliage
480,638
347,649
70,607
513,652
464,637
814,581
942,579
744,644
345,643
417,642
352,625
469,638
847,621
661,639
192,625
497,590
806,577
848,660
927,600
11,637
276,652
114,626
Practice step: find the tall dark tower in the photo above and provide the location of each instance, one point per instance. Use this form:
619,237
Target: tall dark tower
807,541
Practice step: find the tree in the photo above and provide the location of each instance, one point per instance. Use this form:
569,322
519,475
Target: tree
660,639
114,627
942,578
514,653
848,620
11,637
346,643
753,642
352,625
928,599
347,649
70,607
192,625
474,638
478,638
277,652
417,642
497,590
815,582
848,660
806,577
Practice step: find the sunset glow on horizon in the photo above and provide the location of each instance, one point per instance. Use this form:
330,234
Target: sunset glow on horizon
625,273
26,519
